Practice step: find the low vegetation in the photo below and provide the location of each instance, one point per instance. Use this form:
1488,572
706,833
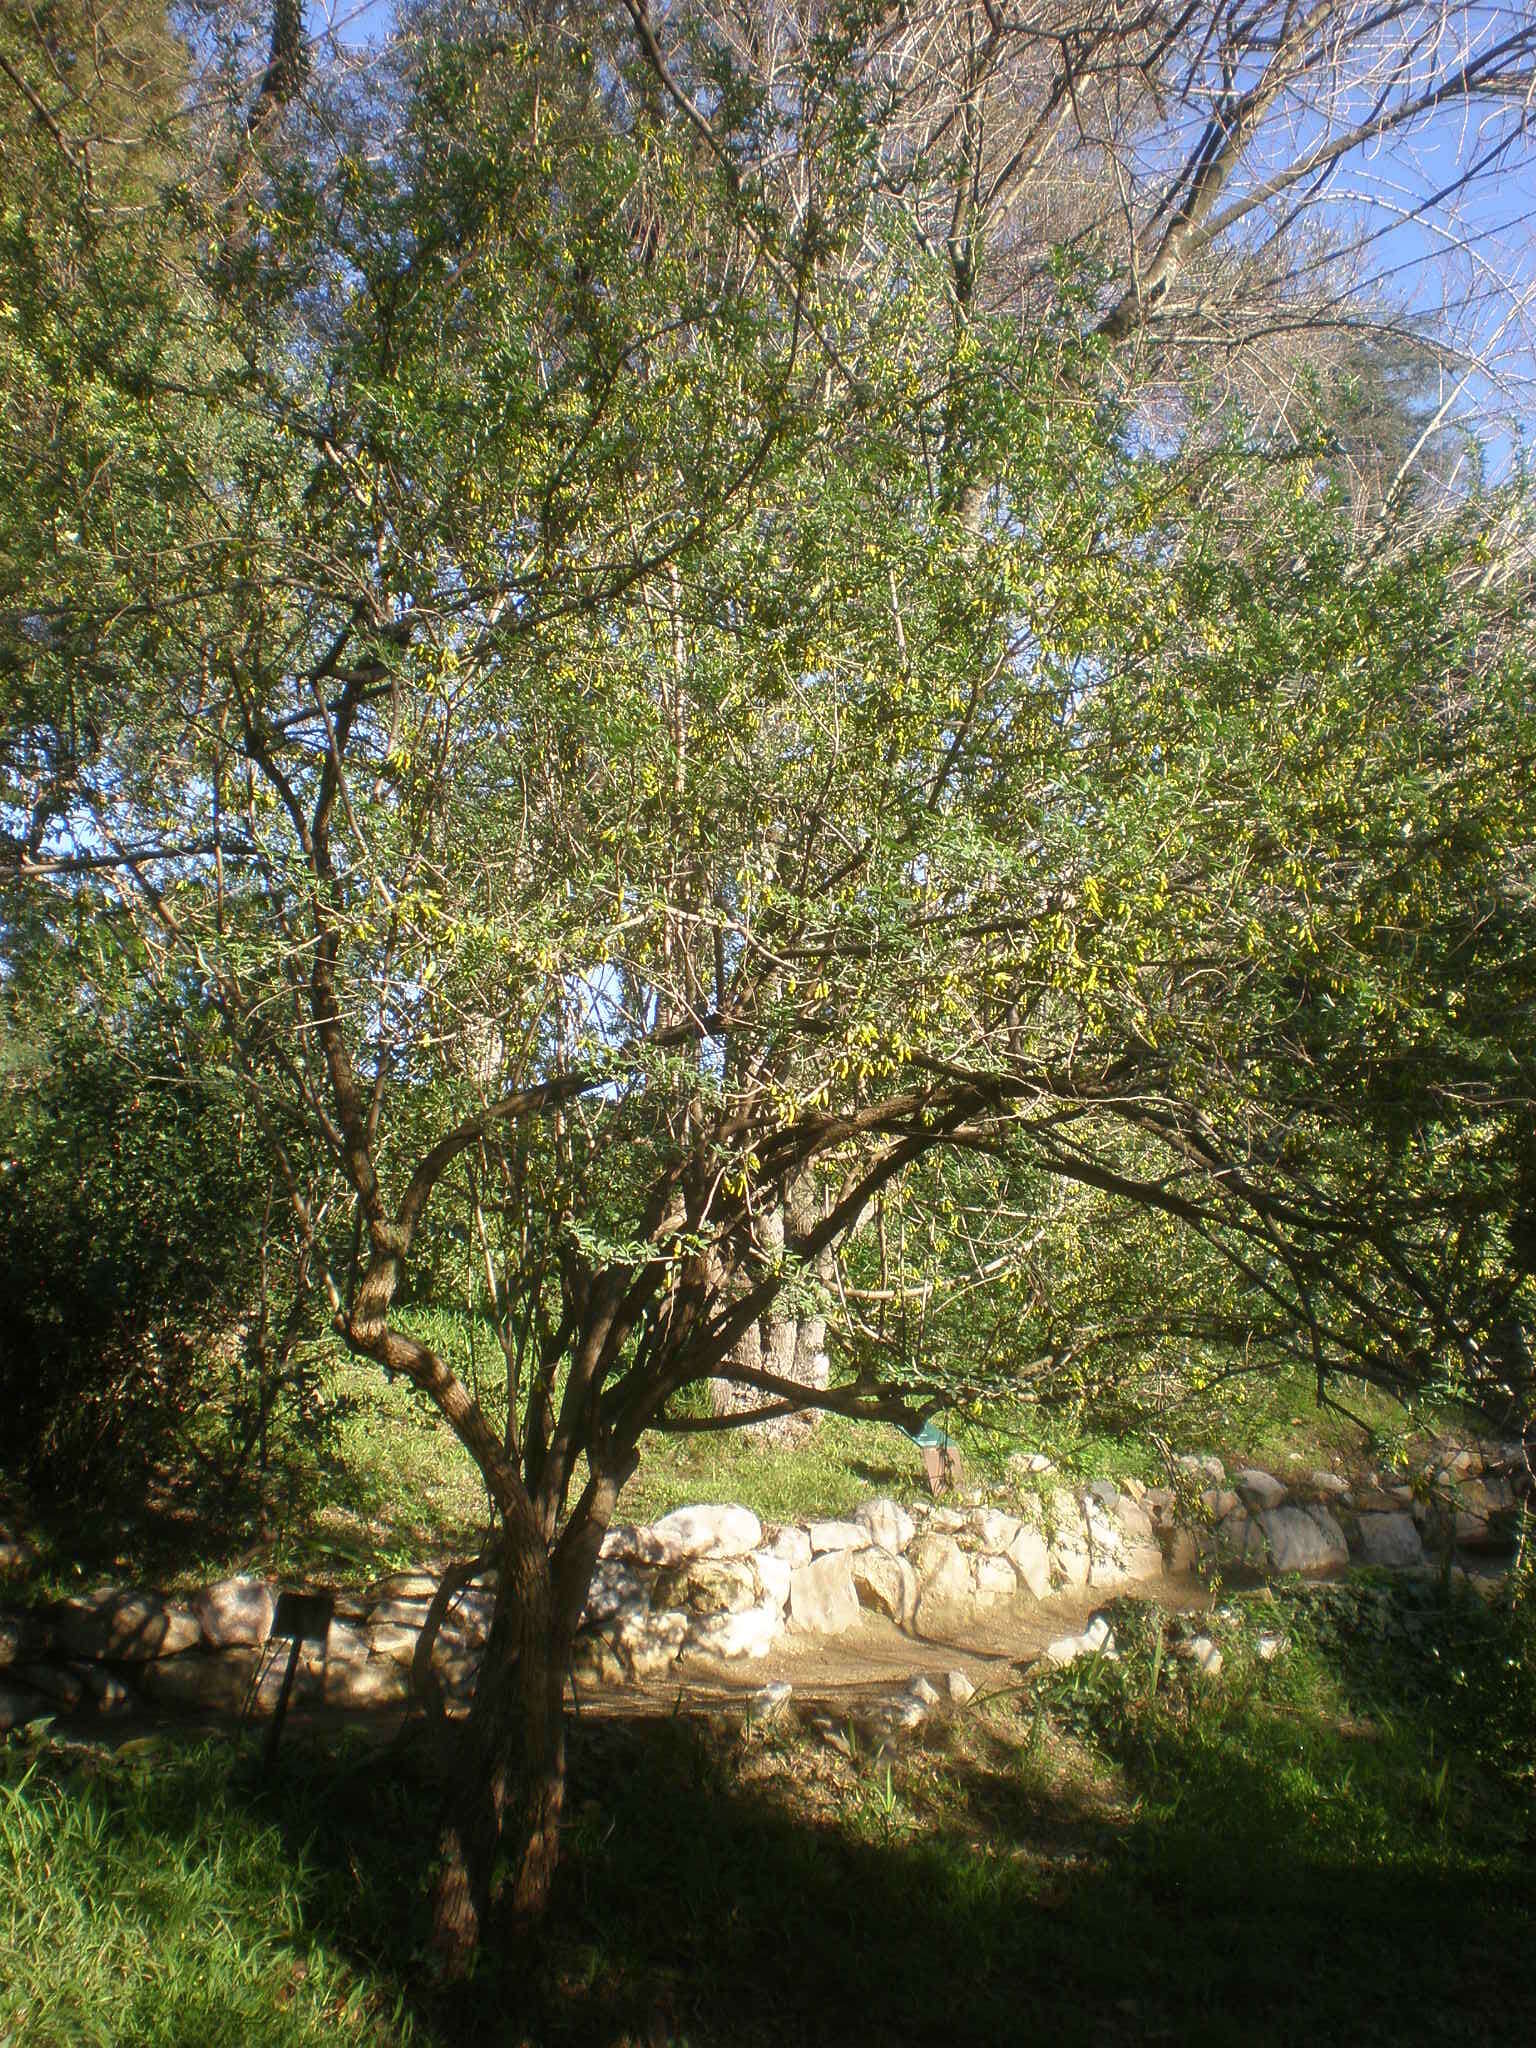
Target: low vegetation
1335,1842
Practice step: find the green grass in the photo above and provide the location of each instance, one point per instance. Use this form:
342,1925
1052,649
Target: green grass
1338,1845
146,1902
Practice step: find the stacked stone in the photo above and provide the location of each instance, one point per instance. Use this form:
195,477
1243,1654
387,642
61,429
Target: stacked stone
713,1583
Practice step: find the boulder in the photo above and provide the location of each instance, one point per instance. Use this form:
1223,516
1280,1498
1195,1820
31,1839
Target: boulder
399,1614
650,1644
404,1586
1070,1553
1204,1468
989,1532
1390,1540
1258,1489
774,1574
789,1543
1303,1539
125,1626
217,1683
688,1533
885,1583
1240,1537
365,1682
993,1580
389,1639
945,1589
822,1599
106,1689
888,1523
235,1613
1030,1558
616,1588
750,1632
1121,1545
1328,1483
708,1585
828,1536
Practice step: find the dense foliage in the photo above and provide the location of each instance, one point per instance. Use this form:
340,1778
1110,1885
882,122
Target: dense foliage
687,732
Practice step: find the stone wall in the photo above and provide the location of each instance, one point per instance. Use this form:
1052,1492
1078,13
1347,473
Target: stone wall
713,1583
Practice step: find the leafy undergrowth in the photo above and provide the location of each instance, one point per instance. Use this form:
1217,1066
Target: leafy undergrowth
1336,1844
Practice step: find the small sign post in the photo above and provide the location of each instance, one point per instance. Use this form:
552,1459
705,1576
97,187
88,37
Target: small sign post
299,1618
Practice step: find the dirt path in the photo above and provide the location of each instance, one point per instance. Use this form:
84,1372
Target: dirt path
877,1658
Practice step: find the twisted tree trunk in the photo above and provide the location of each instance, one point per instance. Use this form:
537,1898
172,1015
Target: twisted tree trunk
509,1782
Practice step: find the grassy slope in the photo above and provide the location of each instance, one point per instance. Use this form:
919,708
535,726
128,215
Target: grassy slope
1339,1845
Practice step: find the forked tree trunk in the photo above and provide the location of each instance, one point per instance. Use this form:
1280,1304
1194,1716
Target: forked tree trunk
505,1805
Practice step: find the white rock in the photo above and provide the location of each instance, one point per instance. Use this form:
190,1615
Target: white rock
1070,1551
1392,1541
750,1633
1028,1555
888,1523
649,1644
616,1588
989,1532
822,1600
1204,1655
1270,1646
768,1704
944,1593
925,1693
235,1612
1065,1650
775,1573
790,1543
993,1580
1097,1633
708,1585
828,1536
959,1687
1259,1489
885,1582
1303,1539
688,1533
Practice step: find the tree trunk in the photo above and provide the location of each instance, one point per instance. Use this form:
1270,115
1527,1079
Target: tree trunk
504,1809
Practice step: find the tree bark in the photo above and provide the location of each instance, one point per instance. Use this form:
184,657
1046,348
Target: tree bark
500,1840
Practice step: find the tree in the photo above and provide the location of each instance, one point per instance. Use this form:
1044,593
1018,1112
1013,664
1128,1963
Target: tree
646,717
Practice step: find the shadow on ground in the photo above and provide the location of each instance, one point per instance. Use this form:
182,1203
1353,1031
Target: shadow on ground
698,1906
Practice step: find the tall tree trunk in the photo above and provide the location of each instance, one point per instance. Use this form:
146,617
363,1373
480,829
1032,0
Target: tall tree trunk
510,1779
